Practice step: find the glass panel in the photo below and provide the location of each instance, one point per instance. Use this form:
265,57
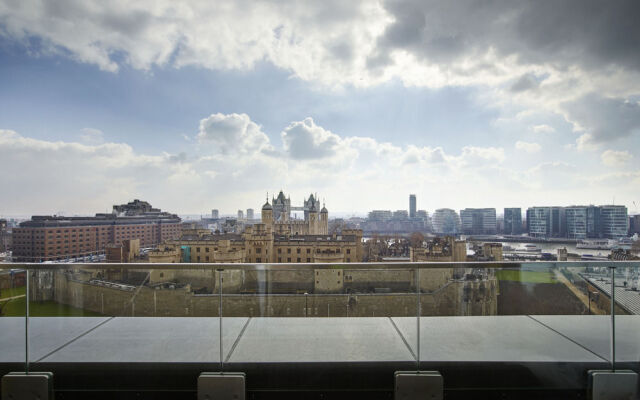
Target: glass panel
13,304
129,316
515,320
323,315
627,324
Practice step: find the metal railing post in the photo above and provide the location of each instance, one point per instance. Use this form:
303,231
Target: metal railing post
26,325
613,318
419,312
220,319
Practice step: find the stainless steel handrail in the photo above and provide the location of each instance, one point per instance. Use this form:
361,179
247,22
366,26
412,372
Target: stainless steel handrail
313,266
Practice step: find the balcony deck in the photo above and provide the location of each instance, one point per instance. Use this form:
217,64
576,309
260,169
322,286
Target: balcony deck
507,354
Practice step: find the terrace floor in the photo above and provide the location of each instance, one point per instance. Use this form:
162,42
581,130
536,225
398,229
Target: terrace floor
500,356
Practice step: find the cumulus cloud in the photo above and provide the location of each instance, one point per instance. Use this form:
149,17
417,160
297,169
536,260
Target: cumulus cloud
613,158
543,128
92,136
225,155
539,56
586,143
232,133
71,175
528,147
306,140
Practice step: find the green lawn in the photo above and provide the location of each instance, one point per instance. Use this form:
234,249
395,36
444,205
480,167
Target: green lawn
526,276
19,291
15,308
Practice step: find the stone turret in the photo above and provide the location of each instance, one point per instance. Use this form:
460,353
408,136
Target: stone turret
267,213
324,221
313,221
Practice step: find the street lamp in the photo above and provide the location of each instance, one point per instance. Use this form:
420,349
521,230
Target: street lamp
306,309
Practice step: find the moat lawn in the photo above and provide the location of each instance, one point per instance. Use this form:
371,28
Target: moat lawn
525,276
19,291
15,308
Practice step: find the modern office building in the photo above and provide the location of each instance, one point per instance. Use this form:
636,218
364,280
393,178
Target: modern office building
422,214
512,221
240,215
478,221
380,215
546,222
400,215
54,237
412,206
576,222
446,221
5,237
634,224
614,220
250,215
583,222
215,214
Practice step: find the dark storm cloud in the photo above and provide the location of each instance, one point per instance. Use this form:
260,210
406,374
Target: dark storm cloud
526,82
604,118
591,34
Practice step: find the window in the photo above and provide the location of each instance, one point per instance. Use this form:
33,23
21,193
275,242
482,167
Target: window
308,251
279,251
258,259
298,250
279,259
288,259
258,250
206,249
198,258
308,259
197,249
288,251
298,259
207,258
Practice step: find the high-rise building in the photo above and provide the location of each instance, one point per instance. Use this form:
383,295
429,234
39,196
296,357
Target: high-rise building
400,215
614,220
446,221
249,214
538,219
478,221
546,222
634,224
512,221
240,215
583,222
412,206
4,236
380,215
594,222
215,214
576,222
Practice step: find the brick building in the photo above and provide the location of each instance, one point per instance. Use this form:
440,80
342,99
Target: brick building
45,238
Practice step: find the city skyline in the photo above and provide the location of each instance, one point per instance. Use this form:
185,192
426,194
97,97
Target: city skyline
192,109
335,214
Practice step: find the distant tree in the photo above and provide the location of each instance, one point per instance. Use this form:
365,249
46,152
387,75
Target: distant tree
416,239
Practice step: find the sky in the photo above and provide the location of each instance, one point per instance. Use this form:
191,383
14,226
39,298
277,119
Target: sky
199,105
